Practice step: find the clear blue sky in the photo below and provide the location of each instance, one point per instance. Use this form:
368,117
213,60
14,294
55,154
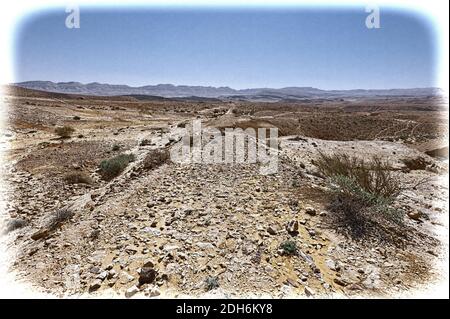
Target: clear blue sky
240,48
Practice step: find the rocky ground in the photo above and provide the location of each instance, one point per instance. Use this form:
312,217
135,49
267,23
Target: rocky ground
194,229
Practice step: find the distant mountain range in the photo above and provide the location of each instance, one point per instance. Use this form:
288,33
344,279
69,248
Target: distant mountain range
259,94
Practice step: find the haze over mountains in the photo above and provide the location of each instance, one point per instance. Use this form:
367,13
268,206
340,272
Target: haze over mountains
173,91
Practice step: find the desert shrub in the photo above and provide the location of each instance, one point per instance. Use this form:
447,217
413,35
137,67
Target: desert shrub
211,283
114,166
64,131
59,217
289,247
76,118
15,223
418,163
145,142
372,179
115,147
362,194
78,178
155,158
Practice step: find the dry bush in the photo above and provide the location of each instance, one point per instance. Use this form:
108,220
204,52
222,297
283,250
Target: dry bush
155,158
58,218
115,148
374,177
211,283
362,194
64,131
114,166
15,223
145,142
78,178
418,163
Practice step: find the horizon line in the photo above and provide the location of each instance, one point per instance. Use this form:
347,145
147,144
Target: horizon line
229,87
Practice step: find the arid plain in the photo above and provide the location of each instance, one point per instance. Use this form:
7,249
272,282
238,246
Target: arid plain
154,228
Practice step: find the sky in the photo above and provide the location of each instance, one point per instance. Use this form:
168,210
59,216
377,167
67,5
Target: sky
239,48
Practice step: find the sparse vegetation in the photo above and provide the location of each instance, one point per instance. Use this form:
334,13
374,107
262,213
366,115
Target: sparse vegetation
78,178
211,283
76,118
418,163
289,247
116,147
155,159
113,167
15,223
271,235
362,193
59,217
145,142
64,131
373,179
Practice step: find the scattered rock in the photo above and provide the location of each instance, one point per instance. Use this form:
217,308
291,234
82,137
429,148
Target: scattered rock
340,282
271,230
292,227
147,275
130,292
148,264
111,274
291,282
94,270
95,285
43,233
309,292
310,211
330,264
154,292
32,251
102,276
354,287
431,252
415,215
204,245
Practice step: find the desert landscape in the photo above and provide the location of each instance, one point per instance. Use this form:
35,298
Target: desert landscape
96,207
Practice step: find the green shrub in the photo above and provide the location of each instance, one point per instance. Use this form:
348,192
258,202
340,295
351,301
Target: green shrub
289,247
114,166
64,131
